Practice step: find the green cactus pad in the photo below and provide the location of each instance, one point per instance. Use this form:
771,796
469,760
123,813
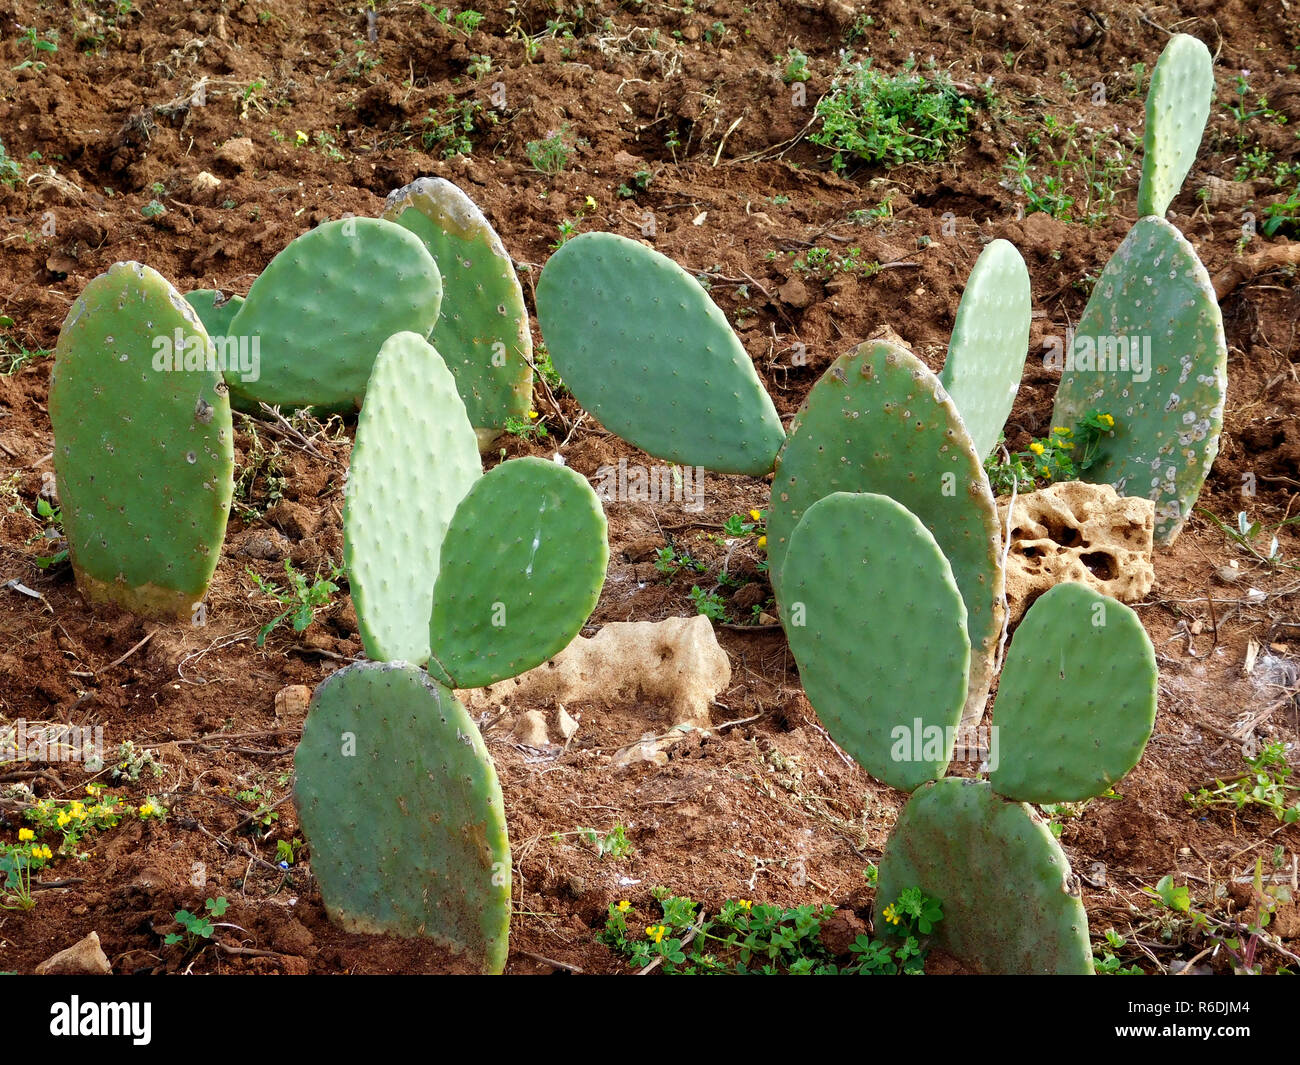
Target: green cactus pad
482,332
1153,314
522,567
990,342
325,305
143,446
644,348
400,804
1178,104
1010,903
216,317
879,421
414,459
878,628
1076,700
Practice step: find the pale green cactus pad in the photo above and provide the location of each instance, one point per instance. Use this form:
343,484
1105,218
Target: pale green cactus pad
325,305
1149,350
523,563
990,342
1178,105
414,459
1076,700
1010,903
215,316
143,444
878,627
400,804
879,421
482,331
643,347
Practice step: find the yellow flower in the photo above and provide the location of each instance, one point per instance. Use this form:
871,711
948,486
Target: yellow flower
147,809
26,835
300,137
532,414
762,541
744,904
591,202
1110,422
624,906
656,932
63,819
890,915
42,853
1060,430
756,515
1036,448
1066,445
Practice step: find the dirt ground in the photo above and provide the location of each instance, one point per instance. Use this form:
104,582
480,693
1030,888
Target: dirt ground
301,118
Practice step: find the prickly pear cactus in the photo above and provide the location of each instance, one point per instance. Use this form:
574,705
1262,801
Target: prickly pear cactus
1076,700
1149,350
990,342
644,348
482,331
400,804
215,309
414,459
1178,104
523,563
143,445
325,305
1010,904
879,421
878,627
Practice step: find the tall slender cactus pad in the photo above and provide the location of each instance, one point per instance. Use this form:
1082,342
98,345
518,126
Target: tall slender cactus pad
879,421
1149,350
523,563
482,331
414,460
990,342
644,348
143,444
1076,700
1010,904
400,804
1178,105
325,305
878,628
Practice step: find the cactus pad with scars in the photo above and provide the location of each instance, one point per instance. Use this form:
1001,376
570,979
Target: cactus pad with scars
643,347
1010,904
879,421
878,628
399,801
1076,700
482,331
414,459
144,449
990,341
326,304
1152,315
1178,104
523,563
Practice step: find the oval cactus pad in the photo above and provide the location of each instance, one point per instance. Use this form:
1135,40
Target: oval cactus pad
1178,105
400,804
143,444
878,628
414,459
644,348
523,563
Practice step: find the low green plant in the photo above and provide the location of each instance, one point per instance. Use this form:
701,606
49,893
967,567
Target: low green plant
552,153
640,182
530,428
1107,963
196,927
131,761
153,209
710,604
1267,785
300,599
613,844
10,168
796,66
52,534
746,938
1060,456
670,562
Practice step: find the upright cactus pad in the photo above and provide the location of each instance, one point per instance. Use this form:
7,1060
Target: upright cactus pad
325,305
143,444
216,317
400,804
1149,350
1010,904
990,342
1076,700
482,332
878,628
522,567
644,348
879,421
414,460
1178,104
